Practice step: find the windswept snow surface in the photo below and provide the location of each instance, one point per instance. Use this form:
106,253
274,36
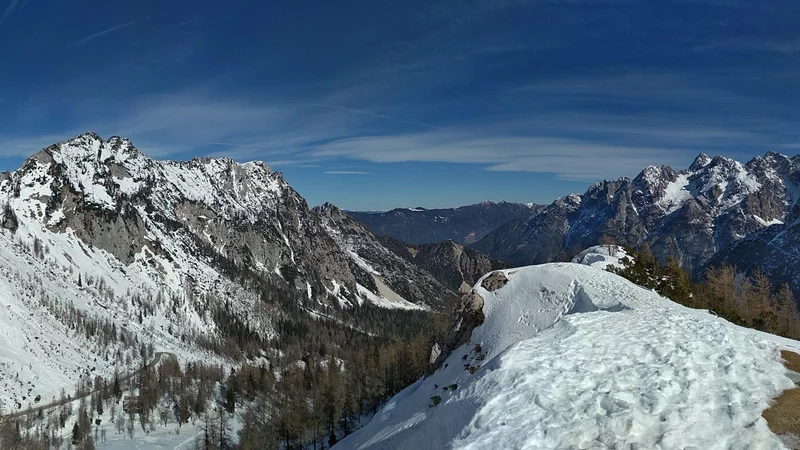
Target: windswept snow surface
575,357
602,257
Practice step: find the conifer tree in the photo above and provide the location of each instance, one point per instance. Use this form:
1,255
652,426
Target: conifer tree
76,434
788,311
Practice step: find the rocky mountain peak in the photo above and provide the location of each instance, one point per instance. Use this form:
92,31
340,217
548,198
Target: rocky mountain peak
571,200
699,162
327,208
338,220
721,161
109,173
654,179
772,161
90,146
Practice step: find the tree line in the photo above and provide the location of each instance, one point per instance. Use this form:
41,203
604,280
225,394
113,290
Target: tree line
748,300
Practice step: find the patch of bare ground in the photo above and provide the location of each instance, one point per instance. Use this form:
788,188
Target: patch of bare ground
791,360
783,417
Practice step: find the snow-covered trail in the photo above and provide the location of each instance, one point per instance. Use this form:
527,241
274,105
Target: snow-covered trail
164,438
631,370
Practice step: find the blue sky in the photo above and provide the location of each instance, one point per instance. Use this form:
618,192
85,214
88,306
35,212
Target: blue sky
377,104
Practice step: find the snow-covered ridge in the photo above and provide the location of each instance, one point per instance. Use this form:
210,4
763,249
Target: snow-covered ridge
570,356
534,299
102,170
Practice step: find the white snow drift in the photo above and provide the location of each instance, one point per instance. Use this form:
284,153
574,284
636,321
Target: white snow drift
602,257
574,357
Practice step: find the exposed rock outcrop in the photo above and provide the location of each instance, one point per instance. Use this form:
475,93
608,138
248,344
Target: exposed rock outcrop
468,316
494,281
8,220
435,352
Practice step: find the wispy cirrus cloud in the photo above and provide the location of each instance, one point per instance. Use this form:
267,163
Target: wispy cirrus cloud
193,122
185,23
571,143
373,114
753,44
9,9
485,86
569,159
94,36
346,172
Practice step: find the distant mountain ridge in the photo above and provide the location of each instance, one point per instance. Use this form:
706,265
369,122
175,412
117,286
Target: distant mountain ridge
464,225
717,206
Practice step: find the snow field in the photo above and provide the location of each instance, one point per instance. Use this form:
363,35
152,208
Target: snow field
574,357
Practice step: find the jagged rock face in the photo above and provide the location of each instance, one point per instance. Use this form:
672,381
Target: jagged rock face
691,214
453,264
115,198
376,261
467,316
687,234
8,219
464,225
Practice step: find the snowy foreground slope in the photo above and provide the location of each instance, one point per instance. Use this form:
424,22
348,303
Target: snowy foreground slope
570,356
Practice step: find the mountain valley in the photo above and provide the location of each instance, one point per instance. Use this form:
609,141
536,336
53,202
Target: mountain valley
209,291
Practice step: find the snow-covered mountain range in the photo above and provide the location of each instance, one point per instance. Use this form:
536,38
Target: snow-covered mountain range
570,356
104,250
717,206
